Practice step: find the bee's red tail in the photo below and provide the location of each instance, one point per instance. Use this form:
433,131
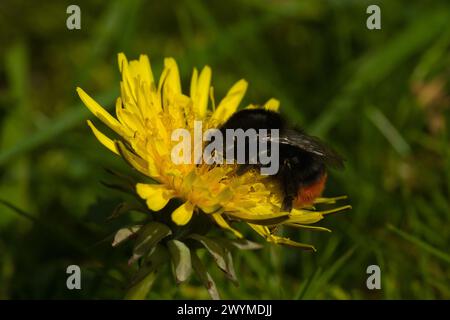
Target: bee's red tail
307,194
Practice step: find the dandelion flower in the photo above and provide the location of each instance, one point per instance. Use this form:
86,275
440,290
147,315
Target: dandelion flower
146,115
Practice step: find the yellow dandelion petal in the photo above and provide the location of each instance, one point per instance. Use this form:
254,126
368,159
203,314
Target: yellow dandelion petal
224,224
263,231
104,140
134,160
194,81
308,227
121,60
129,119
335,210
289,242
304,216
183,214
156,195
100,112
211,97
230,103
152,168
173,76
272,105
142,69
128,81
200,96
329,200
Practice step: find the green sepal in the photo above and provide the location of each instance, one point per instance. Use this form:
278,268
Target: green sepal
181,260
204,276
124,234
222,256
149,236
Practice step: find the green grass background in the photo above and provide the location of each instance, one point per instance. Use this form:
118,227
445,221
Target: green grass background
380,97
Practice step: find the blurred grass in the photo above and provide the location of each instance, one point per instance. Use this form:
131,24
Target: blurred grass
380,97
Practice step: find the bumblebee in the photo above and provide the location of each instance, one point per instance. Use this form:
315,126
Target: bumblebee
303,159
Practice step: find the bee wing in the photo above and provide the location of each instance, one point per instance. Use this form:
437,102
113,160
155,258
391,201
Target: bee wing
311,145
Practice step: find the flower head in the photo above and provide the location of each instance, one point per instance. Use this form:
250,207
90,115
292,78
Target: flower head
148,112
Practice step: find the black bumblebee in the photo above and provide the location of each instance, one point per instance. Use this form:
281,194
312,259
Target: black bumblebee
303,159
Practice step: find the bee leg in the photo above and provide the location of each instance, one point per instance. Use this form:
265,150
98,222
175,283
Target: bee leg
287,203
289,185
273,229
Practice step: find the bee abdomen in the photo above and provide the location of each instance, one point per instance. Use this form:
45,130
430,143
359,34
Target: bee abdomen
307,194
